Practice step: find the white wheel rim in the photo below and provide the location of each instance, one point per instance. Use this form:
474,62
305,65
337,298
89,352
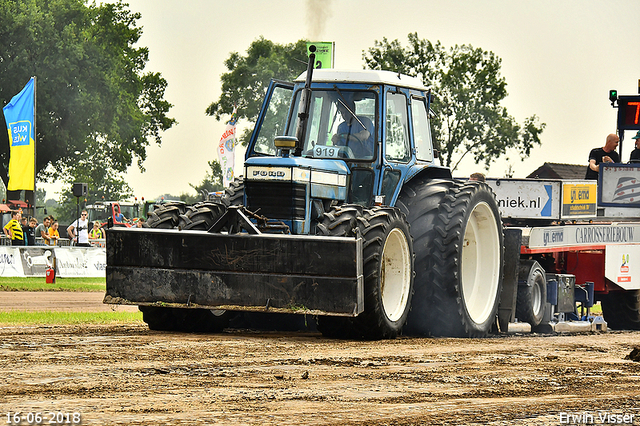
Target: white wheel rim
536,297
480,265
395,276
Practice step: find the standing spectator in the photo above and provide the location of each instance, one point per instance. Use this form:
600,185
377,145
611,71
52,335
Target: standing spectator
78,231
30,232
606,154
13,229
54,235
478,177
42,230
140,223
96,233
635,154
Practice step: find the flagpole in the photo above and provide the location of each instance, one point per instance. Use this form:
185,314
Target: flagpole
35,143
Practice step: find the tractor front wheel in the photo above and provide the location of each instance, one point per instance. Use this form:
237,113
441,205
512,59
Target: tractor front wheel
388,270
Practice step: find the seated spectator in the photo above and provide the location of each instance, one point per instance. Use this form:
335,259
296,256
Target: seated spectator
54,234
96,233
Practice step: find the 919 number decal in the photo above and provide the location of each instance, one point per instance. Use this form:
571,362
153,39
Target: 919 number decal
323,151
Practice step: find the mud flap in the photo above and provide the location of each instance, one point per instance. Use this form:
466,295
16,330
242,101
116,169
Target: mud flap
507,307
274,273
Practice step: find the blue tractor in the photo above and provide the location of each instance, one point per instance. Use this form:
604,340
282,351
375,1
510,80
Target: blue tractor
342,214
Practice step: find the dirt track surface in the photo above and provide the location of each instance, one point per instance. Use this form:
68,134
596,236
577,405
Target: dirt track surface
57,301
126,374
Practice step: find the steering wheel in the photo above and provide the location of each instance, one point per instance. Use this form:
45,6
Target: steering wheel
360,146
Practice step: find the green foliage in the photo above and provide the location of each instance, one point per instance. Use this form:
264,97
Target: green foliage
103,183
469,88
246,82
212,180
92,95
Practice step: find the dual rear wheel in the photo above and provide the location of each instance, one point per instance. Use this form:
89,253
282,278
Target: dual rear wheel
459,243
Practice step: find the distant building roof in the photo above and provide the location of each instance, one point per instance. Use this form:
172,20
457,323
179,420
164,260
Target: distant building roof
559,171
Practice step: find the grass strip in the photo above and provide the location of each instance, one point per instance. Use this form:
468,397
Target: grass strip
53,317
61,284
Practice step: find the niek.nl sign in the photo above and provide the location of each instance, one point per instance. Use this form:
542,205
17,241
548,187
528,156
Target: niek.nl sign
527,198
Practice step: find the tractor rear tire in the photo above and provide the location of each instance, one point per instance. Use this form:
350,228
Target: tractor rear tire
387,268
532,293
165,216
202,216
185,319
234,194
459,257
621,309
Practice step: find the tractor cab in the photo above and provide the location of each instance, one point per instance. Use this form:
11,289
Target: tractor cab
364,134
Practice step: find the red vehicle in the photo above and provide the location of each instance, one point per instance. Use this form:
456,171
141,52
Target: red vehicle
123,213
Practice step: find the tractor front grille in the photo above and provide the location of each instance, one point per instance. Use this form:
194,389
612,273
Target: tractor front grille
276,200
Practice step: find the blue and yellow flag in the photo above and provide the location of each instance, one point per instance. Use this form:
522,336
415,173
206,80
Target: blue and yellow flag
20,117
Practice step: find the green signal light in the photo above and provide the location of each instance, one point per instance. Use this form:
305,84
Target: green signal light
613,96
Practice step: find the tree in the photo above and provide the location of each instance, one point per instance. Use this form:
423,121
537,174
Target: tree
469,88
92,94
246,82
212,180
104,184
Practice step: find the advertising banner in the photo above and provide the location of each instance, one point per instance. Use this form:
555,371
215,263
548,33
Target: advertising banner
527,198
226,150
10,262
584,235
622,266
36,260
579,199
70,261
81,262
619,185
324,53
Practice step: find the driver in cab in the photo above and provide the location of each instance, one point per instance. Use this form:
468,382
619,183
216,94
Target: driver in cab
354,132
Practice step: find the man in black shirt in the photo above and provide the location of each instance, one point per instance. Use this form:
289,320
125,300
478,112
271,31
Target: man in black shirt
606,154
635,154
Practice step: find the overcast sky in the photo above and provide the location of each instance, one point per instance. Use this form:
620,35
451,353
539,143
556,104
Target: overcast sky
559,58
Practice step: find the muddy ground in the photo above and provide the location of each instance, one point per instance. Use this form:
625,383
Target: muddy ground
126,374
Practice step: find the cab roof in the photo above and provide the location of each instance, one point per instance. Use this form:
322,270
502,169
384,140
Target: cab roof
364,76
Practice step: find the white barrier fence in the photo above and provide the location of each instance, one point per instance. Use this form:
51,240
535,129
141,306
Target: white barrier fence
33,261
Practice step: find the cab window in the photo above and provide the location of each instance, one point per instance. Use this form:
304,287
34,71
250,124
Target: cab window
275,120
421,130
397,134
341,124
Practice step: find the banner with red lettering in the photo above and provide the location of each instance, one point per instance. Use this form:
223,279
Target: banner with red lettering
226,149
